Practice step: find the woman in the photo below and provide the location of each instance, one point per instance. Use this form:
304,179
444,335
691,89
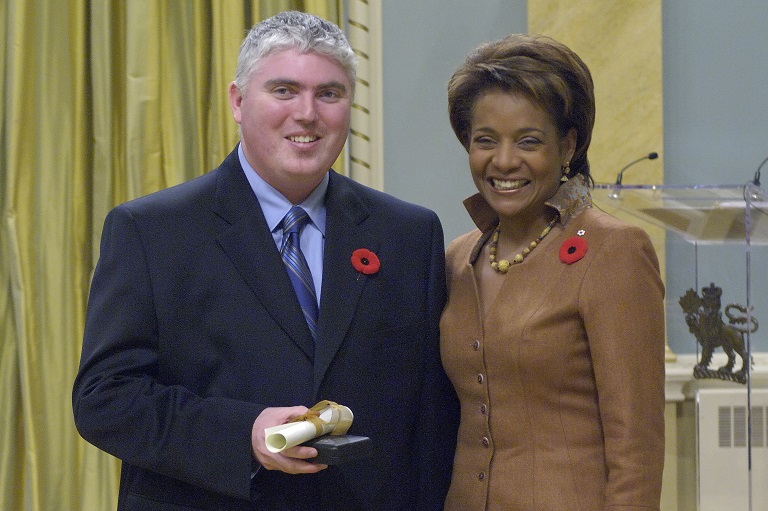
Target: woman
553,334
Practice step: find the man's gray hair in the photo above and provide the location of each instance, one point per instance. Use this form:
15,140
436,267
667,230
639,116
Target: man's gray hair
293,30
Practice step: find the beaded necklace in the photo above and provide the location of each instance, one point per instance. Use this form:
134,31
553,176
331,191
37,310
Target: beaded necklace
503,265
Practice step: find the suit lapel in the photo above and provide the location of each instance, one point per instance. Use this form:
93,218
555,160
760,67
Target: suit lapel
251,248
342,284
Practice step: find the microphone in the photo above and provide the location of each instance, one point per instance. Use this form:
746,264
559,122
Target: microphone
756,180
649,156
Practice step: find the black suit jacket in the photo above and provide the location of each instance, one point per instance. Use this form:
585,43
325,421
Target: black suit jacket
193,329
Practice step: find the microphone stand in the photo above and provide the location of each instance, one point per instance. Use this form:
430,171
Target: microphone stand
620,175
650,156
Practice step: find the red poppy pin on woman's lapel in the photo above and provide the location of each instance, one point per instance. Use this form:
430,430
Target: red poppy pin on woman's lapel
365,261
573,248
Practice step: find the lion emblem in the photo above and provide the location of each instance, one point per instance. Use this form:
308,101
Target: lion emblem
704,319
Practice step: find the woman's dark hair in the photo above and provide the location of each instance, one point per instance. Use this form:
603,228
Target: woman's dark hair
544,70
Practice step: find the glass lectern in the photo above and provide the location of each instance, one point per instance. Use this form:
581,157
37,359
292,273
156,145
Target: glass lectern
712,243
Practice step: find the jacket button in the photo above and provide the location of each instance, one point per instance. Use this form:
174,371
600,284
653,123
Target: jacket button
486,442
481,475
483,409
480,378
476,345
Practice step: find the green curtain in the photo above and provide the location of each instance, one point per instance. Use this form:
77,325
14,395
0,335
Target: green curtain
100,102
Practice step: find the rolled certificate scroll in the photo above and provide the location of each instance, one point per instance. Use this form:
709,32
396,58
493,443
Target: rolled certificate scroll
325,418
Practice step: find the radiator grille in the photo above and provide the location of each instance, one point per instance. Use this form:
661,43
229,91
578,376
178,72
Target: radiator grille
732,426
758,426
727,471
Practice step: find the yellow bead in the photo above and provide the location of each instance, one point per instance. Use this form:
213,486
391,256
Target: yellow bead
503,265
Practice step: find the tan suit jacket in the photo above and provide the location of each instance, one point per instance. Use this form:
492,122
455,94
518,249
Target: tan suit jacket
562,383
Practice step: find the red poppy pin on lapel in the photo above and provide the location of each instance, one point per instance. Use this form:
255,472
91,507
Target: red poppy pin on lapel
365,261
573,248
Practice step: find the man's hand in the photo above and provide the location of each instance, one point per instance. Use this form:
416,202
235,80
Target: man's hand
289,460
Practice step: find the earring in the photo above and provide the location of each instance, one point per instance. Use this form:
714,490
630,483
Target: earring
566,171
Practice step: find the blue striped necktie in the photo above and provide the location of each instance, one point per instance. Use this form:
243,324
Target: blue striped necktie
301,277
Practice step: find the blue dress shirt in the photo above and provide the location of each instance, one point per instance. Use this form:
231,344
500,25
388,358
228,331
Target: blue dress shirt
275,206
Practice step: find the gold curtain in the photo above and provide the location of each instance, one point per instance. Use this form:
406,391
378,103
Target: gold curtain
100,102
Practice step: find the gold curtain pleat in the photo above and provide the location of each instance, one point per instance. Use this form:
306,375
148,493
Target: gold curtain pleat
100,102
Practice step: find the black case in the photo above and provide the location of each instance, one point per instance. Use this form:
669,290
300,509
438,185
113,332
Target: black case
336,449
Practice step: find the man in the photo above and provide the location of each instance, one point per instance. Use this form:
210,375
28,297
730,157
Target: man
196,340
